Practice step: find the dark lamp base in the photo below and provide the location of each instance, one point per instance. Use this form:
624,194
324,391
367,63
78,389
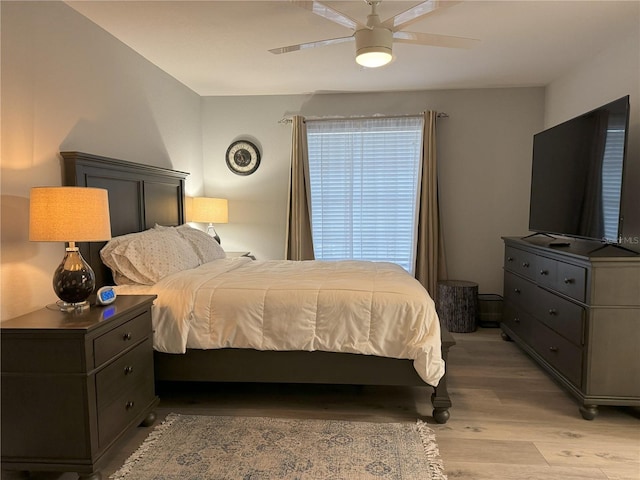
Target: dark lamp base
73,281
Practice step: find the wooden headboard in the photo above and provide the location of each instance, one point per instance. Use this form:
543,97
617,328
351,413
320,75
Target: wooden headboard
140,196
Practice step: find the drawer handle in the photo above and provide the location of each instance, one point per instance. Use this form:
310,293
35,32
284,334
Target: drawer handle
569,280
544,272
517,290
128,370
516,320
126,336
509,259
129,405
525,264
553,311
553,349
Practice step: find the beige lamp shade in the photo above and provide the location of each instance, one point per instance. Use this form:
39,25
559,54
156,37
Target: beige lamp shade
210,210
69,214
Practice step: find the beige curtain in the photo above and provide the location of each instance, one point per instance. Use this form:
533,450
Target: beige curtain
299,241
430,255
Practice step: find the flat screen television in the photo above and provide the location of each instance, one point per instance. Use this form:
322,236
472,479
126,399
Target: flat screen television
577,175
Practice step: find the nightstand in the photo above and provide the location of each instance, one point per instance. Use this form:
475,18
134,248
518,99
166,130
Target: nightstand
74,383
240,254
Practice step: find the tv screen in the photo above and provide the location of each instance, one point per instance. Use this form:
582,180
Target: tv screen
577,175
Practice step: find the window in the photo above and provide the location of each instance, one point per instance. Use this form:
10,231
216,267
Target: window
364,181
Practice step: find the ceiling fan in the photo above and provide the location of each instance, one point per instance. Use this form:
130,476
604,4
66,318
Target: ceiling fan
374,39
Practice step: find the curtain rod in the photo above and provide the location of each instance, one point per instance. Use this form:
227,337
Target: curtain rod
286,120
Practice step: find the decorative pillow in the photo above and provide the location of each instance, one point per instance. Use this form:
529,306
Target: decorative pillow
147,257
205,246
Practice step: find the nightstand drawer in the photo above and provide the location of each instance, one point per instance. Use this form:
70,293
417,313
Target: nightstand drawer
124,374
119,339
113,418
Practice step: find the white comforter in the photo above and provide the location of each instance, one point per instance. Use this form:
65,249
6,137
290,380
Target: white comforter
350,306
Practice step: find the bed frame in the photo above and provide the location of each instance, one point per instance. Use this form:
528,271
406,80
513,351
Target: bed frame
141,196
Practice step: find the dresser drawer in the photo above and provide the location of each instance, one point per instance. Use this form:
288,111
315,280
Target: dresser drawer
561,315
520,322
113,418
572,281
518,291
563,355
119,339
124,374
562,277
547,272
519,261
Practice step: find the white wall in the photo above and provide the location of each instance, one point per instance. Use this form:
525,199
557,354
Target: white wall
484,151
611,74
68,85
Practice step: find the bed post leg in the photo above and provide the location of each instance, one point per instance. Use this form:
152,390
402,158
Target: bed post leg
441,401
440,397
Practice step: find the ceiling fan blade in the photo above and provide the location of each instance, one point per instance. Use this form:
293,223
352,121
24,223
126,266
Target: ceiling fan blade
302,46
415,13
434,40
329,13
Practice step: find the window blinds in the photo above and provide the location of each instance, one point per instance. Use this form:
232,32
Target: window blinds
364,181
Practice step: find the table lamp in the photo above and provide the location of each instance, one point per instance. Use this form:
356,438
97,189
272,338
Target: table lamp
70,214
210,210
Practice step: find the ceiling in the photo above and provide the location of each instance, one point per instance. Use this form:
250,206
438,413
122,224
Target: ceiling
221,47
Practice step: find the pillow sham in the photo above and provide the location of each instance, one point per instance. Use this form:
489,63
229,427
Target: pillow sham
205,246
147,257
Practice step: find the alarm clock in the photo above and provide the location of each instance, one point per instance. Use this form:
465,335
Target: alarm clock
105,295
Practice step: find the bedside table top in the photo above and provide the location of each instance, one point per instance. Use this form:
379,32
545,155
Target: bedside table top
52,319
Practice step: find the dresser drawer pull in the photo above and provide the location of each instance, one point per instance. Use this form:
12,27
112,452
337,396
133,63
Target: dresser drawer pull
544,272
525,264
517,290
127,336
129,405
516,320
553,311
128,370
509,259
553,349
569,280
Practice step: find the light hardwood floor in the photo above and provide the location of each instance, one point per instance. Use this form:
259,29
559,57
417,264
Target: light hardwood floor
509,420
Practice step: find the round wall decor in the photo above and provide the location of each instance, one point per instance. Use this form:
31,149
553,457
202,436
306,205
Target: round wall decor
243,157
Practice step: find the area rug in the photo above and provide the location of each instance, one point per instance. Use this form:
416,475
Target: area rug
194,447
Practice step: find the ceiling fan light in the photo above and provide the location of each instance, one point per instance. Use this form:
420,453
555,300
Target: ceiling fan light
373,47
373,59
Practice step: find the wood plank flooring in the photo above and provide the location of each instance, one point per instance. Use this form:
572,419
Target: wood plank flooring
509,420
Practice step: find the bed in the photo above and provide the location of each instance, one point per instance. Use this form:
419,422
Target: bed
143,198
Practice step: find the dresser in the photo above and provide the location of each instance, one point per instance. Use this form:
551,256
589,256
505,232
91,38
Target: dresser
575,308
74,383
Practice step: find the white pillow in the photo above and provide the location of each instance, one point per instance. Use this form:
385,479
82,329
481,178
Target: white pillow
205,246
147,257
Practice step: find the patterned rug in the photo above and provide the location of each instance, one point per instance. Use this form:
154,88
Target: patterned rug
193,447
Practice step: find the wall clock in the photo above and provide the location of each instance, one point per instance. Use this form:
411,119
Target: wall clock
243,157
